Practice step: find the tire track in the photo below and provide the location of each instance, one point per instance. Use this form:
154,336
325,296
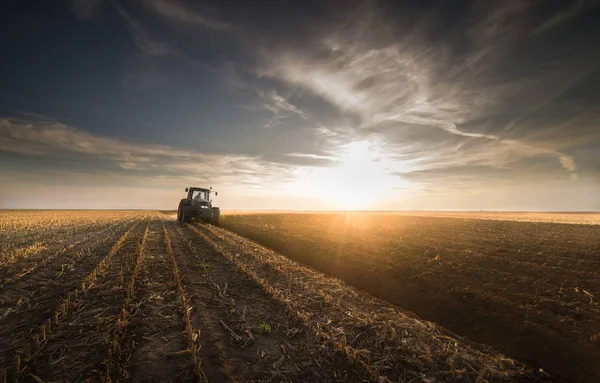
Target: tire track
155,330
192,335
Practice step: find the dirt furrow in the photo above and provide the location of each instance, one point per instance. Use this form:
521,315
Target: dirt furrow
118,350
56,277
75,344
192,335
62,257
542,315
246,335
25,323
392,343
155,331
50,241
18,238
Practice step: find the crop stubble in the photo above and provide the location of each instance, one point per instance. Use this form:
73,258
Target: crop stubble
155,300
525,288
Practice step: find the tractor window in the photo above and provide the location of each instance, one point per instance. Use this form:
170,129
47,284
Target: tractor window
199,194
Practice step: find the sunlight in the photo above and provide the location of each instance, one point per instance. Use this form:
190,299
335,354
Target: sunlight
362,179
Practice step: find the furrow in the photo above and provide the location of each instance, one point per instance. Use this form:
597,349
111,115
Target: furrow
192,335
50,241
117,351
264,341
360,326
45,319
55,278
44,258
155,331
69,345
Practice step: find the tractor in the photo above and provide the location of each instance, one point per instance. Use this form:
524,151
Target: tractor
198,205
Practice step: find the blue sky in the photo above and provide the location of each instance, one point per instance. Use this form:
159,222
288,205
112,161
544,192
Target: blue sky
301,104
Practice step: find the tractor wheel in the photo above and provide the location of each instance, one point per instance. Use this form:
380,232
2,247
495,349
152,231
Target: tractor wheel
187,214
179,214
216,216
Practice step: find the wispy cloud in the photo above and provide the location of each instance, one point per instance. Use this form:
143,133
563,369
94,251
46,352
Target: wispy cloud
280,107
177,12
364,70
140,35
576,9
269,100
44,137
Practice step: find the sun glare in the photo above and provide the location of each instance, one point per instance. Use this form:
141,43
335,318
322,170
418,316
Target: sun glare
362,179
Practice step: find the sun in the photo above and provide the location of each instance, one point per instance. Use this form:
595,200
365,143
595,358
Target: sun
349,198
362,177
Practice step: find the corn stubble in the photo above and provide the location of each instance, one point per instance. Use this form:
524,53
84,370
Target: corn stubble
192,335
114,362
50,330
385,342
380,341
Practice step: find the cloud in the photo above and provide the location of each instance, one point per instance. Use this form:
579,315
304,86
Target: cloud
269,100
314,156
141,37
280,107
177,12
365,70
576,9
568,163
86,9
516,148
48,138
448,126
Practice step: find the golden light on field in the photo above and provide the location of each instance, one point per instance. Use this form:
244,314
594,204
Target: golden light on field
363,177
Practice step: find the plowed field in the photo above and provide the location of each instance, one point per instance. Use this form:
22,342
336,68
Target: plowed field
528,289
136,296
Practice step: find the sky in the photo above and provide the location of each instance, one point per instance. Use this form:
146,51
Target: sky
409,105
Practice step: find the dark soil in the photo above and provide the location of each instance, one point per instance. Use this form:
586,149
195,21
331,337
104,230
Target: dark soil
156,300
155,332
524,288
246,335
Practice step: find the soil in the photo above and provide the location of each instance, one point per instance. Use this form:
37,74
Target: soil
525,288
155,300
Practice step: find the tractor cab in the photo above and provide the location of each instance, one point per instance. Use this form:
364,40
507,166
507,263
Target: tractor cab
199,194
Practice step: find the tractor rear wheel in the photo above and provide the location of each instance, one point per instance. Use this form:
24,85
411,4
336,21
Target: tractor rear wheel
216,216
187,214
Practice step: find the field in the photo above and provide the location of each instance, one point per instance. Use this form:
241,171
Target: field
136,296
581,218
528,289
